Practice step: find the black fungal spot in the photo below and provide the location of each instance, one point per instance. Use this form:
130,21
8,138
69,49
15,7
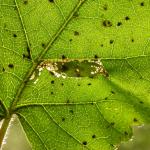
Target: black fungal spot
142,3
127,18
84,142
76,33
119,23
126,133
52,1
25,2
52,93
70,40
52,82
135,120
63,119
112,92
106,98
107,23
111,41
14,35
62,84
63,57
78,84
11,66
93,136
71,111
89,84
141,102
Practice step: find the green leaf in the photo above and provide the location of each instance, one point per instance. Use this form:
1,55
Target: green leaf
39,38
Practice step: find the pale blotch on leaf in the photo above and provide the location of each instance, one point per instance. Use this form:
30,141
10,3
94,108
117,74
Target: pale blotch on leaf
67,68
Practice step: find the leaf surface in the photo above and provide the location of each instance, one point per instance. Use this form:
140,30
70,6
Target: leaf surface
76,112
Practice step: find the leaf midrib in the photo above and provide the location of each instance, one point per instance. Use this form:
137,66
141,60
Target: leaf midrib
41,55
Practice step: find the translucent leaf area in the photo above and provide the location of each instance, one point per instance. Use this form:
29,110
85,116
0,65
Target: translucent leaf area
75,72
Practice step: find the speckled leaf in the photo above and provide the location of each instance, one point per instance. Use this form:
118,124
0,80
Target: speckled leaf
41,40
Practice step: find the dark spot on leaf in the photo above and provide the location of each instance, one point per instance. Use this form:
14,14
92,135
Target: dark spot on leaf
52,1
70,40
102,45
127,18
92,103
25,2
68,101
78,84
106,98
105,7
89,84
112,92
62,84
14,35
29,55
63,119
96,57
76,14
111,41
3,69
52,93
142,3
52,82
63,57
93,136
141,102
11,66
107,23
112,123
71,111
135,120
132,40
126,133
76,33
43,45
84,142
119,23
